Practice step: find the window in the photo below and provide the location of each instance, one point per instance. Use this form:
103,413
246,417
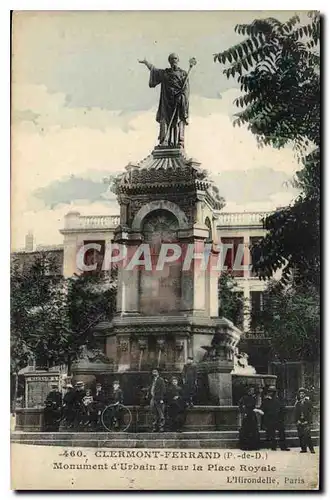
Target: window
257,304
254,254
93,256
233,249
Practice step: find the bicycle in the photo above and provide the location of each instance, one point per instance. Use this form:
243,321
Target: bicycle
116,418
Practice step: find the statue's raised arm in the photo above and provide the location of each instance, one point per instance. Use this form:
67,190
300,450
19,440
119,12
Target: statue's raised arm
145,62
173,109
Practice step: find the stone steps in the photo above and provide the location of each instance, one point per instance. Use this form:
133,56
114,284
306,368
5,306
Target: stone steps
217,439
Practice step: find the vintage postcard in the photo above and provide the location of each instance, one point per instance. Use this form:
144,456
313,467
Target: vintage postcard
165,266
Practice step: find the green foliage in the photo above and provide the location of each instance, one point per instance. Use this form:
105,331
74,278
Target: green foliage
291,319
278,69
52,318
231,300
90,299
32,297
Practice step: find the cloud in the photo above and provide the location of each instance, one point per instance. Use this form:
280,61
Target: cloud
257,185
92,57
60,154
46,223
71,190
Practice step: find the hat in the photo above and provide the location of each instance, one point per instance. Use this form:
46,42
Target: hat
302,389
98,384
69,386
115,382
190,357
79,384
54,384
271,388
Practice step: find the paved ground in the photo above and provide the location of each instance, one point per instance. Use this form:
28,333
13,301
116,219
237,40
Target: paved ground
47,467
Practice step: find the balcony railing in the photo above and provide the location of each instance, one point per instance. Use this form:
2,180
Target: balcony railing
241,218
75,222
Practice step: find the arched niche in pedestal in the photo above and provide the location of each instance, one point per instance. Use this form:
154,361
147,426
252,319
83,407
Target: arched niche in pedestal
160,288
165,205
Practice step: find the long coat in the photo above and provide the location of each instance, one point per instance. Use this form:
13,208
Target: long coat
159,390
249,437
273,409
171,82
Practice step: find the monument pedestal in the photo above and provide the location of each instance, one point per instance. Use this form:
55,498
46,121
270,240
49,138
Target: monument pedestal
167,299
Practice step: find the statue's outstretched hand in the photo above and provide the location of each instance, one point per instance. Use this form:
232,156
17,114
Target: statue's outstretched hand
145,62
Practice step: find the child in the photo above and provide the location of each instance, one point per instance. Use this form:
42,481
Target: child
87,402
117,401
176,406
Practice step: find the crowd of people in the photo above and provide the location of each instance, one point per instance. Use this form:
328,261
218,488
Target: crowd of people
80,408
270,416
168,402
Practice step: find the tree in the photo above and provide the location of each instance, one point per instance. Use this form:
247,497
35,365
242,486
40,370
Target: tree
278,69
90,299
231,299
52,318
31,294
290,318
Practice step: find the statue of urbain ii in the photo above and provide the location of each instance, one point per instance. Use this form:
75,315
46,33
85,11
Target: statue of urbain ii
173,109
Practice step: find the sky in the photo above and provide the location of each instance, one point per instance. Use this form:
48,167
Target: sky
82,110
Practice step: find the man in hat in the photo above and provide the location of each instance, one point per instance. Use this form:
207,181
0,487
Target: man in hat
304,416
189,379
175,406
79,408
68,405
52,411
157,405
99,403
117,399
273,419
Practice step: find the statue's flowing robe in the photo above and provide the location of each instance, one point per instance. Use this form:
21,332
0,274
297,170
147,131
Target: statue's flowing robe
171,82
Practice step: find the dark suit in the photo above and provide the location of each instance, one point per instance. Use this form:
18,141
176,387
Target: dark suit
273,420
68,407
189,376
157,394
118,396
79,408
117,399
175,407
52,411
303,416
99,403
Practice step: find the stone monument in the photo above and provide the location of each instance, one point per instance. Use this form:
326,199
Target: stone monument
166,314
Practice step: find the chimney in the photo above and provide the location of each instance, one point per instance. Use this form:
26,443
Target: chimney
29,242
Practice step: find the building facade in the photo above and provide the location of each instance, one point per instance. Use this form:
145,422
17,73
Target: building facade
237,232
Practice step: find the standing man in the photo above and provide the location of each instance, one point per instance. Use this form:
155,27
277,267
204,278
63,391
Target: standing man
189,379
273,419
52,411
174,100
175,406
117,399
157,395
79,408
68,406
303,417
98,405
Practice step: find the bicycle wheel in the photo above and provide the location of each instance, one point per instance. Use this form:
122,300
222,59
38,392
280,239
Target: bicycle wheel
116,418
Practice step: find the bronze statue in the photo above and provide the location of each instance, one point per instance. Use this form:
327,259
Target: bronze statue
173,109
